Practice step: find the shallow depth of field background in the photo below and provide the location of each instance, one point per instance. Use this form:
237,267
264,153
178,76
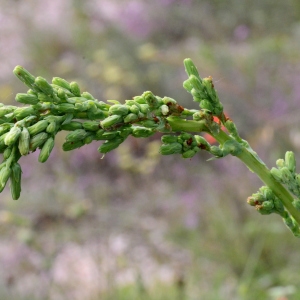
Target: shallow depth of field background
136,225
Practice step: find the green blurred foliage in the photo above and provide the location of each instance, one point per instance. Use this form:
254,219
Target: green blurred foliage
172,228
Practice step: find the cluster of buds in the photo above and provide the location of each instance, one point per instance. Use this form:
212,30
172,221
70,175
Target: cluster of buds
266,203
285,173
202,90
60,105
185,144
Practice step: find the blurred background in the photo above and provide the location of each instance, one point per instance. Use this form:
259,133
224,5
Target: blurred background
135,225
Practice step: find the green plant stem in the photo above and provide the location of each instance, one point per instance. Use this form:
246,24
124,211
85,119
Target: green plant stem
247,158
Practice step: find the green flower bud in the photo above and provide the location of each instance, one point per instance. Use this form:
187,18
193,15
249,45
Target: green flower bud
280,163
196,82
278,205
139,99
209,87
118,109
24,141
216,151
38,127
61,83
65,107
43,85
202,142
262,210
51,128
106,135
88,139
168,139
76,135
251,201
110,145
276,174
290,161
125,131
68,146
91,125
15,181
44,98
75,89
187,85
7,152
144,108
27,98
46,150
38,140
97,115
135,109
172,148
286,175
83,106
130,118
142,132
74,125
6,110
149,124
268,205
23,112
5,127
188,154
190,68
151,100
87,95
12,136
111,120
25,77
2,144
4,176
62,95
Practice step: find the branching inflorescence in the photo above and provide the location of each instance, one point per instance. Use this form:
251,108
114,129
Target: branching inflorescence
62,106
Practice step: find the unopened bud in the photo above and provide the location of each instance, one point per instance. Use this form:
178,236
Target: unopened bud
23,112
190,68
46,150
276,173
68,146
15,181
12,136
168,139
61,82
43,85
75,89
110,145
27,98
38,140
290,161
111,120
280,163
38,127
172,148
118,109
91,125
76,135
142,132
24,141
74,125
25,76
